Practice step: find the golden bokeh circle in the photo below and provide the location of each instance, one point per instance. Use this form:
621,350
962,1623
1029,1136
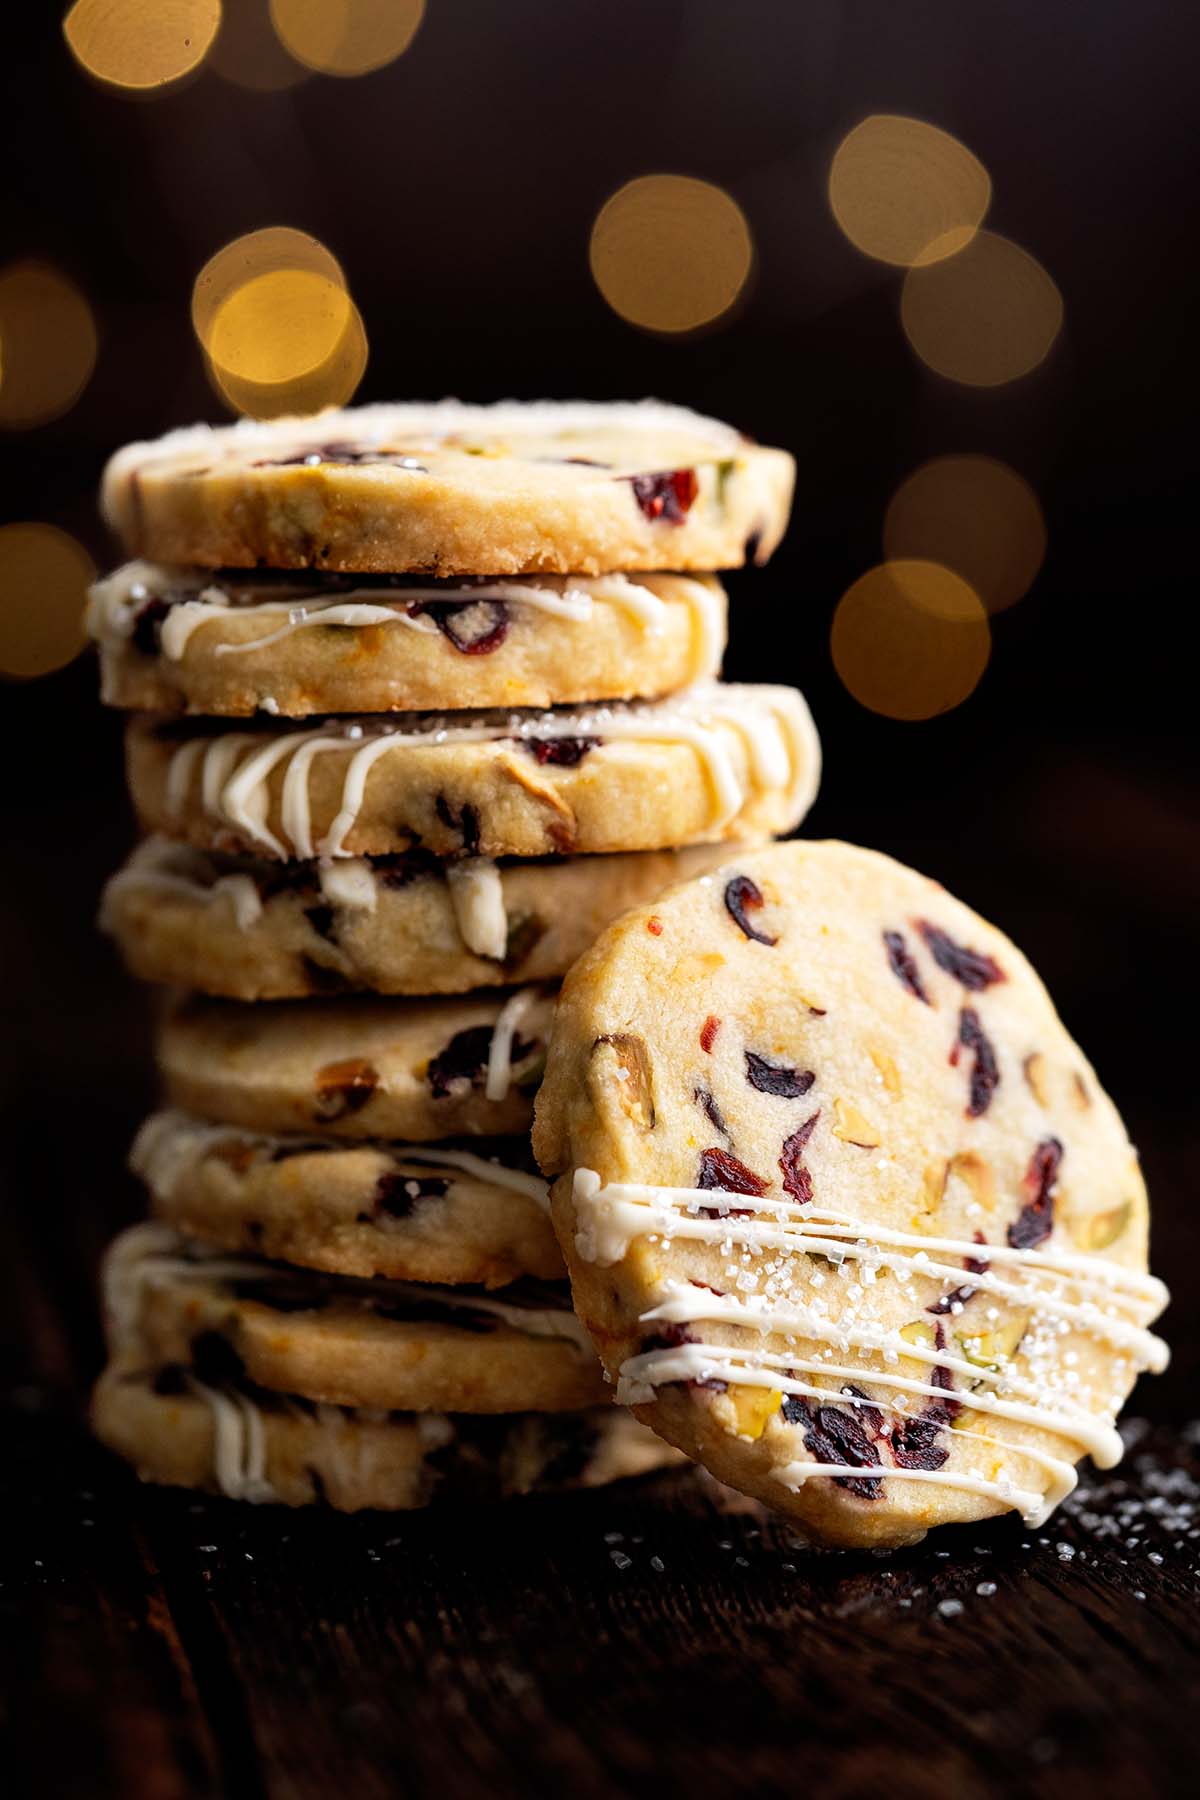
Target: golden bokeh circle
44,578
670,253
906,192
47,344
983,317
331,383
274,249
346,37
279,326
141,44
910,639
975,515
248,51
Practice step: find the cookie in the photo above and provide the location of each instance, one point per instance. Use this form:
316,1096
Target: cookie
718,762
469,1212
186,640
360,1068
250,929
398,1345
845,1209
567,488
253,1445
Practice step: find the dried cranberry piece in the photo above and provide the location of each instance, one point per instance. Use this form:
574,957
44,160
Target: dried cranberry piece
321,919
832,1434
145,635
796,1179
465,1058
869,1414
560,752
1035,1221
668,1335
915,1445
977,1265
985,1071
344,1088
975,970
708,1032
718,1169
447,616
342,453
958,1297
711,1110
465,821
776,1078
741,896
396,1194
668,496
903,967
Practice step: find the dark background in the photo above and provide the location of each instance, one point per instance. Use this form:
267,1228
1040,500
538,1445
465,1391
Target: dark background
458,187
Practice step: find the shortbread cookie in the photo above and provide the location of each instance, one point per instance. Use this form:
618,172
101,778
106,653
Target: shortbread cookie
468,1212
186,640
845,1209
360,1068
566,487
398,1345
251,929
717,762
249,1444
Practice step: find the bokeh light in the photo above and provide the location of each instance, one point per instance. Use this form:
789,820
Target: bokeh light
983,317
248,51
44,577
670,253
278,326
974,515
47,344
906,192
141,44
346,37
330,383
910,639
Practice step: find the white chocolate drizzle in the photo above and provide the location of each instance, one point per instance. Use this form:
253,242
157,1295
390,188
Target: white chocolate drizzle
781,754
115,602
160,866
477,896
239,1444
170,1145
504,1031
1070,1290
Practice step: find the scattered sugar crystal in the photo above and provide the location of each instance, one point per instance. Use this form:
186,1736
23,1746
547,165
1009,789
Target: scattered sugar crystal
950,1609
986,1588
620,1560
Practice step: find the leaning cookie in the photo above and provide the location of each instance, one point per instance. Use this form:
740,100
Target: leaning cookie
451,1213
572,488
250,929
188,640
402,1346
846,1211
249,1444
718,761
359,1068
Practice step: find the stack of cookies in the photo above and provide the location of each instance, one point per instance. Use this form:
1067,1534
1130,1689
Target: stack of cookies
423,697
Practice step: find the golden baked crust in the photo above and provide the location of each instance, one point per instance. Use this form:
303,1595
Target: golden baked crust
719,761
907,1237
188,640
567,488
252,930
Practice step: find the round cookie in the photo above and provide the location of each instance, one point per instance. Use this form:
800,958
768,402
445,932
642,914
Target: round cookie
186,640
262,1447
398,1345
717,762
360,1068
250,929
845,1208
549,487
444,1213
